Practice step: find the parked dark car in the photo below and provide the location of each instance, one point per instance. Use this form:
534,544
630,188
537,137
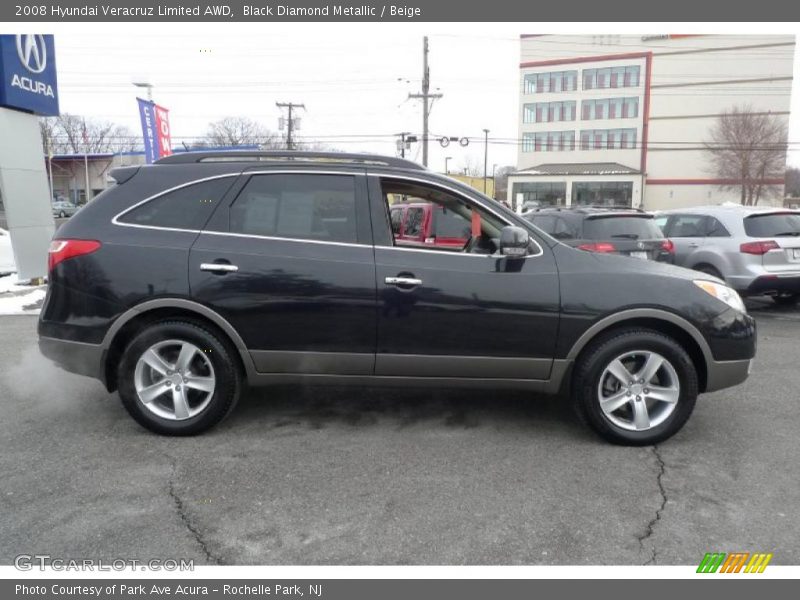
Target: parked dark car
207,271
625,231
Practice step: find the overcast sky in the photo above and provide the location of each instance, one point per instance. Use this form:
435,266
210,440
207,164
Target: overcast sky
353,78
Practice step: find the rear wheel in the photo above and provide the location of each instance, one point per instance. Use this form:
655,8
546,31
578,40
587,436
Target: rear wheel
786,299
709,270
178,378
635,387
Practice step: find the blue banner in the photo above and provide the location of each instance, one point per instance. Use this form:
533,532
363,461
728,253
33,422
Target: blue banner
28,73
147,114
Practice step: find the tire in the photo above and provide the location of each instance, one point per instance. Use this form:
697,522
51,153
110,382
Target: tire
634,346
786,299
61,215
210,390
709,270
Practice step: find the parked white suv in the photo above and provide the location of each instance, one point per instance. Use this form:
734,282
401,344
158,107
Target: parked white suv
755,250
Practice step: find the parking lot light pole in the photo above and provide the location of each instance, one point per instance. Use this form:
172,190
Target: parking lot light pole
446,167
148,86
485,157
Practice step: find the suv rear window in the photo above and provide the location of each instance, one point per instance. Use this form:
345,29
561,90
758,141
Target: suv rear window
772,225
316,207
188,207
636,227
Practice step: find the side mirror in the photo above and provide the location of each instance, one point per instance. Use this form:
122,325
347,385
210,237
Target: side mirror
514,242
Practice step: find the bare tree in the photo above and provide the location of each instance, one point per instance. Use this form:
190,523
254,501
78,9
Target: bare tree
747,149
241,131
793,182
74,134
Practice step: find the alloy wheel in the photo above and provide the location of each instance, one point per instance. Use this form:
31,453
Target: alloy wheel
174,379
638,390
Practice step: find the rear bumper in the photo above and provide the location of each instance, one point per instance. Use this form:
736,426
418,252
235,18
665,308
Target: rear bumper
775,283
75,357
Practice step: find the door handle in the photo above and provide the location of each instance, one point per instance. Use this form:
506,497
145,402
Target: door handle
218,267
409,281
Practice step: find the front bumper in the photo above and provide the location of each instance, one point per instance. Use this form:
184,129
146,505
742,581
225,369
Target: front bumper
727,373
75,357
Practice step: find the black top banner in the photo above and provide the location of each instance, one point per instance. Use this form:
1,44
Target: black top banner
410,10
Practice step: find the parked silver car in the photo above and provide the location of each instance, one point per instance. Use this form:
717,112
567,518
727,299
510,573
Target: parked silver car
755,250
64,209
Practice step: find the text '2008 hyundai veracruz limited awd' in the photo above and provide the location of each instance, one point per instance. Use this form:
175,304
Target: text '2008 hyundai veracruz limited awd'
206,272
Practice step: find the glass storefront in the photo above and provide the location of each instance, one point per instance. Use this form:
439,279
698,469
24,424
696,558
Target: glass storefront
602,193
537,194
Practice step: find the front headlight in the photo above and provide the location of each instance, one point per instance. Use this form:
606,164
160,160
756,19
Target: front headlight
722,292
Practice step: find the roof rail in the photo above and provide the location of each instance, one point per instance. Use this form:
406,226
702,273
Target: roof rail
288,155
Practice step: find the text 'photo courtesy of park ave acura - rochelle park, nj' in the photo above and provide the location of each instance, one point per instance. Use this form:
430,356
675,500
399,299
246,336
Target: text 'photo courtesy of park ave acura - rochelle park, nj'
298,301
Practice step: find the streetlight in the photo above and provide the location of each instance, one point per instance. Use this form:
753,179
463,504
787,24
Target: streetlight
446,160
485,157
143,83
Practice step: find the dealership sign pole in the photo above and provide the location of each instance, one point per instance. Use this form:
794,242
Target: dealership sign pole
155,130
28,89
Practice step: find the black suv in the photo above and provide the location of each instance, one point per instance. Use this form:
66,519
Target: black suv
207,271
627,231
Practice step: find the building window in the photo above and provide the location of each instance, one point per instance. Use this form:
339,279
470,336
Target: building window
558,81
548,141
611,77
610,108
547,112
614,139
537,194
602,193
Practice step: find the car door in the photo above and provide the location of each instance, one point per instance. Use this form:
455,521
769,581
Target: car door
687,232
449,313
287,259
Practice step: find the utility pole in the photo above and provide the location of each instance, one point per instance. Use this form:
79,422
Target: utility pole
447,159
290,121
425,96
485,157
402,142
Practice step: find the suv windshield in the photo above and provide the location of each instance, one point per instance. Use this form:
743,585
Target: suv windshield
635,227
773,225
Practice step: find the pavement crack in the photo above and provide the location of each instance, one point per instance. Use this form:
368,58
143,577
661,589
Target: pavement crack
180,507
654,521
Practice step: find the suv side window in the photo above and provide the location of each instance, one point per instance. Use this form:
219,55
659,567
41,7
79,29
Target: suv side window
546,223
413,221
397,219
687,226
302,206
188,207
716,229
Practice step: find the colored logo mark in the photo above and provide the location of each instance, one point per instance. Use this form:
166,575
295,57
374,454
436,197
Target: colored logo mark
735,562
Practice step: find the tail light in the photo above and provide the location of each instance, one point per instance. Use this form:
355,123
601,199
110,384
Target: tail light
61,250
598,247
759,248
668,246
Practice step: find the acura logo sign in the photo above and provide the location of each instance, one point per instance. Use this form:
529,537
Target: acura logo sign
32,52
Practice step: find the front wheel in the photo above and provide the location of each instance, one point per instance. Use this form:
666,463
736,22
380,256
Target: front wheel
635,387
178,378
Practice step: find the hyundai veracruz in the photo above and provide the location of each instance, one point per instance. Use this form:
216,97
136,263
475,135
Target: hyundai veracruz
206,272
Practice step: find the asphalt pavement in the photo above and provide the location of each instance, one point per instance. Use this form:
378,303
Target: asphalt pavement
365,476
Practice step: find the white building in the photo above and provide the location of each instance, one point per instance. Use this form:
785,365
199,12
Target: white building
622,119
